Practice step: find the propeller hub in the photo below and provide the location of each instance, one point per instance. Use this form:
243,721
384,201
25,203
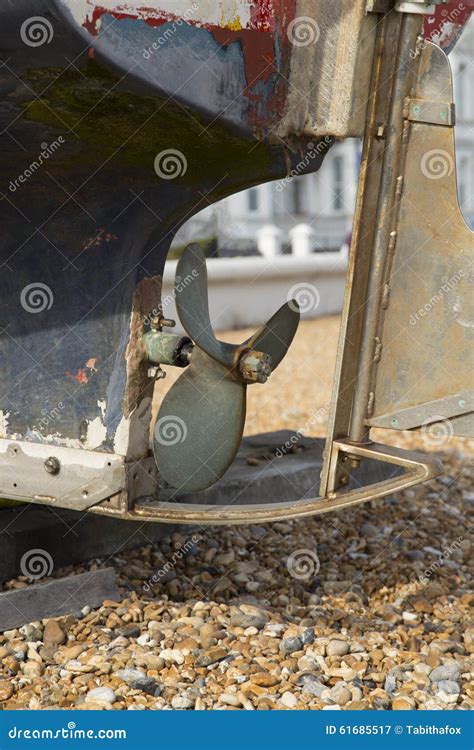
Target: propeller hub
255,367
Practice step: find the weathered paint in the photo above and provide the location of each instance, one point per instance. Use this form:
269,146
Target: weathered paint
444,27
231,14
248,34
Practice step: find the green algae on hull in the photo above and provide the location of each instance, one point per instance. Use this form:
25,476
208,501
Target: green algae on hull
133,128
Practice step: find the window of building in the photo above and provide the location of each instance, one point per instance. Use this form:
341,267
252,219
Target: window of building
338,183
297,197
463,176
461,93
253,199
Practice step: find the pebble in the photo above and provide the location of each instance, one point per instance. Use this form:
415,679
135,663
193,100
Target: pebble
211,656
230,699
448,691
131,675
6,690
340,694
289,700
247,620
369,530
449,671
173,655
337,648
311,685
403,703
145,684
290,645
181,702
264,679
131,631
101,695
53,634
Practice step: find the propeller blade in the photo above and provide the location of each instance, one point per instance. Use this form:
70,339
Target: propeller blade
193,306
200,425
275,337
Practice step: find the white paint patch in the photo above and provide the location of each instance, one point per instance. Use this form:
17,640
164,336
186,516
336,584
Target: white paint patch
122,437
96,433
233,14
4,415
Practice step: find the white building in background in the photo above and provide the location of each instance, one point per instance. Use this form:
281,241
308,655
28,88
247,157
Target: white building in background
265,216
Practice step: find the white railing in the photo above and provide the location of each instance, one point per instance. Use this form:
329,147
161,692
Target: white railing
246,291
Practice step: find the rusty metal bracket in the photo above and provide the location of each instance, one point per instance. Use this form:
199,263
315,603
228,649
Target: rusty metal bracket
423,414
432,112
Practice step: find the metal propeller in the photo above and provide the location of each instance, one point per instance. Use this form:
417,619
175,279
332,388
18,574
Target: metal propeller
201,420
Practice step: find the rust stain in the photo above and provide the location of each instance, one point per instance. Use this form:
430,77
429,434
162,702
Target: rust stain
100,237
80,376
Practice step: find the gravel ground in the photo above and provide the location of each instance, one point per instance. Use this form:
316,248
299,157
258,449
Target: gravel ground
360,609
